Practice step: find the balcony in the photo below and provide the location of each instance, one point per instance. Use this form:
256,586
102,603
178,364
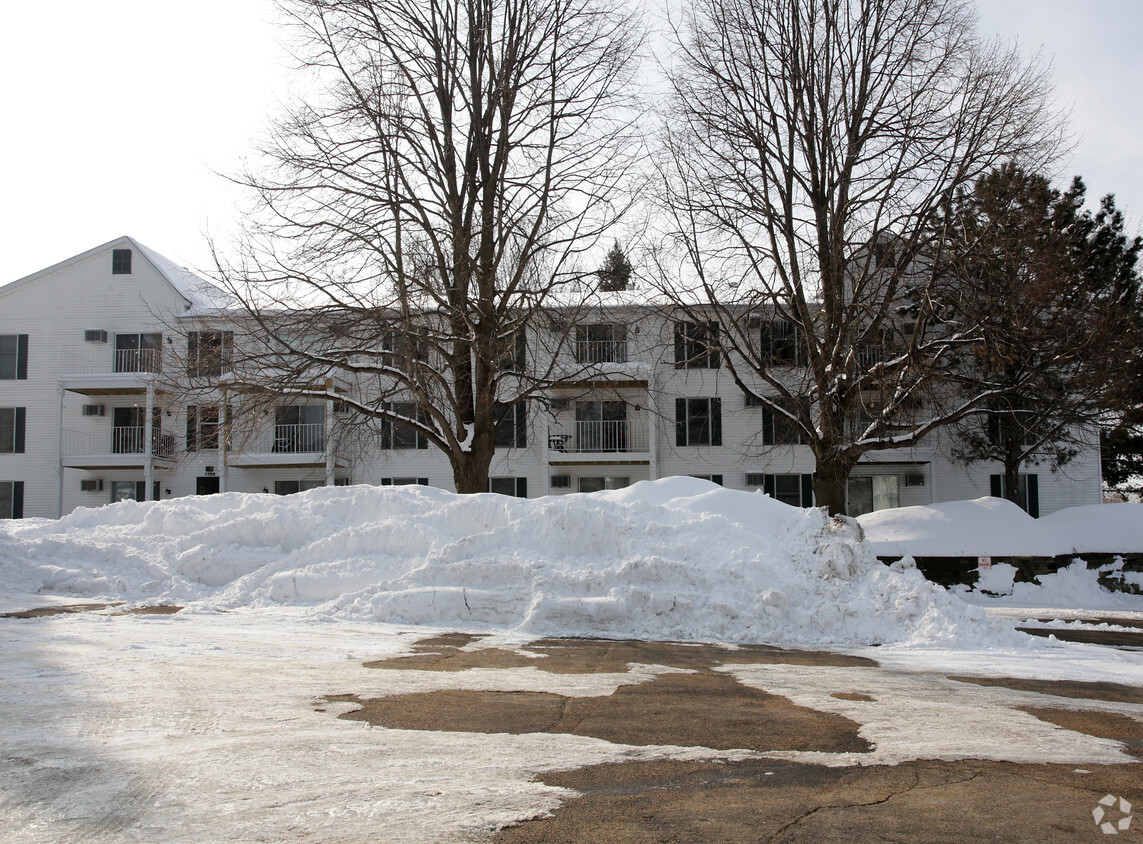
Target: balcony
601,351
82,450
130,372
587,441
282,446
139,360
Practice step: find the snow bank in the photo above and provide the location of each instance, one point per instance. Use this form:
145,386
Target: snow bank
995,526
678,558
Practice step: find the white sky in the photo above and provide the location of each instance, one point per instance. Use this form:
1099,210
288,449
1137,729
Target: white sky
118,114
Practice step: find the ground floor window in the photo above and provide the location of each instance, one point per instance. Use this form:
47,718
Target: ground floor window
595,484
516,487
290,487
868,493
11,499
795,490
1027,492
132,491
403,481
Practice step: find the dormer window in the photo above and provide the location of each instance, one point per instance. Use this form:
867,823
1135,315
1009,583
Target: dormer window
121,262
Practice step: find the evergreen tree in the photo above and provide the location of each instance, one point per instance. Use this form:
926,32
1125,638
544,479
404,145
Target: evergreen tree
616,270
1055,289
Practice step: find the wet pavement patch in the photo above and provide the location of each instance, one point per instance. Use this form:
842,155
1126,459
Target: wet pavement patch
689,710
764,800
1109,725
1114,692
450,652
62,609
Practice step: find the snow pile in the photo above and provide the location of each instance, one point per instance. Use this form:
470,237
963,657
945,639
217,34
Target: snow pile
1071,586
997,527
678,558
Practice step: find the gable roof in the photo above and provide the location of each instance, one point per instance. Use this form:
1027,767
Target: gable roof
198,293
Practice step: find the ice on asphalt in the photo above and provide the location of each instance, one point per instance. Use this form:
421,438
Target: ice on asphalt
678,559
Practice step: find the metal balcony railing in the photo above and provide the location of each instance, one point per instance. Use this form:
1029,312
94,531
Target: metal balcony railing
298,439
593,437
601,351
132,439
138,360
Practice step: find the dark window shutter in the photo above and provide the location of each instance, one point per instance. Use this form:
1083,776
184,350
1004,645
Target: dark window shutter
18,446
768,485
714,356
192,427
387,426
1033,482
422,440
997,482
716,479
680,421
807,490
21,357
192,353
521,487
17,499
422,481
680,345
522,425
716,421
386,482
521,351
767,426
766,344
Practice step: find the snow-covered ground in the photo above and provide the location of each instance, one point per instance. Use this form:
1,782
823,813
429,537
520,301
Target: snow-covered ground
208,724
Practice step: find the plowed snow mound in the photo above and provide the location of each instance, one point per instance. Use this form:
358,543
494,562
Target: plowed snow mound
678,558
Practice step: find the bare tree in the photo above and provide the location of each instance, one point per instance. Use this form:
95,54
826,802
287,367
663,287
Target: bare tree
810,150
419,215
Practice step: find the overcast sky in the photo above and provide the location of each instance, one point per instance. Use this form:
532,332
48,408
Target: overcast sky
118,114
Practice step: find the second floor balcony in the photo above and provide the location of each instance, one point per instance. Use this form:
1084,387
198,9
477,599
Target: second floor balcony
598,437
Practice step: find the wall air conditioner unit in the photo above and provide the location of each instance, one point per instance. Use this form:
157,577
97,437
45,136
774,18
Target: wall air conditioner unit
94,410
559,404
561,481
915,480
95,335
94,485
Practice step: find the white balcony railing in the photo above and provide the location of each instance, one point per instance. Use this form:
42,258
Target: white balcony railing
594,437
299,439
132,440
601,351
138,360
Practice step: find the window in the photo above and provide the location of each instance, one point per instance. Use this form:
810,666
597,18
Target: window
561,482
1027,492
404,482
714,479
209,353
402,348
129,432
604,342
138,352
595,484
402,434
777,427
132,491
515,487
11,499
299,428
13,423
698,421
868,493
291,487
696,345
14,357
511,424
514,357
203,423
795,490
121,262
781,343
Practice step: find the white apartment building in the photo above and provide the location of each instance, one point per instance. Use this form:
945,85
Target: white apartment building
90,349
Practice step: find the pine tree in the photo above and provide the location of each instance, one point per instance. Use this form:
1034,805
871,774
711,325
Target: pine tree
616,270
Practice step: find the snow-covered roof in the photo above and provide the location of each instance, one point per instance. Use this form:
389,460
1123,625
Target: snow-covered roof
200,295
